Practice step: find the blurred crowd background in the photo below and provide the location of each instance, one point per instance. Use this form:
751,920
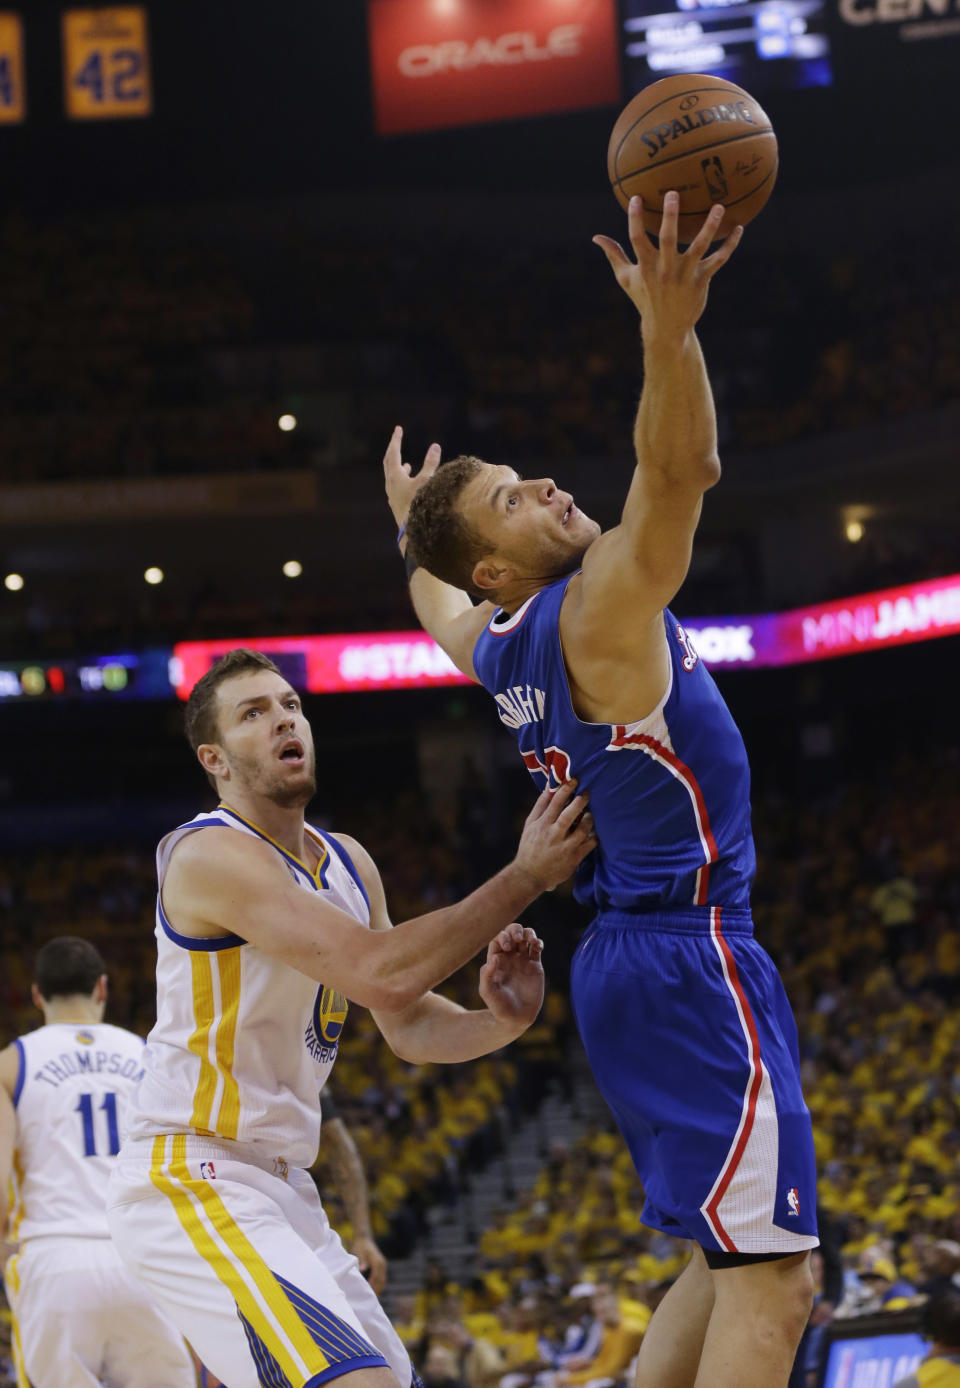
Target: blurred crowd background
857,899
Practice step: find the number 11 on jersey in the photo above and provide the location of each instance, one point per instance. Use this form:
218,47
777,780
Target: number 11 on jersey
111,1146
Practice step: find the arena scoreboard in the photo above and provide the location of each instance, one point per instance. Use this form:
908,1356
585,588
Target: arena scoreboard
13,101
761,45
106,63
142,675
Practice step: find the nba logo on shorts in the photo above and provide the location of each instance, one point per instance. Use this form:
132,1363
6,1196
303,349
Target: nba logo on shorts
793,1200
207,1173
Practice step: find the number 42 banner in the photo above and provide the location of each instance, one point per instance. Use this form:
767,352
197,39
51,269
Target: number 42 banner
106,63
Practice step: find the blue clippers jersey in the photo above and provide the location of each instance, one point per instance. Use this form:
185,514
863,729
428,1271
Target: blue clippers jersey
670,794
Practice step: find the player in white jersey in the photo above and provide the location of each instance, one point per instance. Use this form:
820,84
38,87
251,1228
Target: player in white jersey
265,926
80,1319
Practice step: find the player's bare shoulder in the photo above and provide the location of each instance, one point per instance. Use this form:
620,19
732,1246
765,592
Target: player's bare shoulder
209,869
369,875
616,659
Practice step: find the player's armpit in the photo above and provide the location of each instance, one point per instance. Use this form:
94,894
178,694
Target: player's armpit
448,615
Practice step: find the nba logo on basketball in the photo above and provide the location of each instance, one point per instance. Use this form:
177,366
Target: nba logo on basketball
793,1200
207,1173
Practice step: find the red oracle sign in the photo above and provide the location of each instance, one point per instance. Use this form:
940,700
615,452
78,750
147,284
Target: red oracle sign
459,62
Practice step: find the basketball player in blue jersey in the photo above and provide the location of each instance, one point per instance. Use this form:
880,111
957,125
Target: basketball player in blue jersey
682,1014
265,926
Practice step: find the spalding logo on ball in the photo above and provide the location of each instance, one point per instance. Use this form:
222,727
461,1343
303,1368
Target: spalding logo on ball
701,137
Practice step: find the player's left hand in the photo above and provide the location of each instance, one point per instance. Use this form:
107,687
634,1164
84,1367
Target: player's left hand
511,981
399,480
373,1264
669,286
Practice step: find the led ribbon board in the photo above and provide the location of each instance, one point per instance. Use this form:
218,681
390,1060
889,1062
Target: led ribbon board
411,660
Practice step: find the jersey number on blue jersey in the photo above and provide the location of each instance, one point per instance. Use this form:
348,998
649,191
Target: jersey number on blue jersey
109,1107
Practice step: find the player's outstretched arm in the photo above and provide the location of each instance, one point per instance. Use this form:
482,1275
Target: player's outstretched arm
446,613
435,1029
675,435
221,882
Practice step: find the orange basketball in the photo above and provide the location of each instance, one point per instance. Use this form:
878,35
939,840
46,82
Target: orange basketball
700,136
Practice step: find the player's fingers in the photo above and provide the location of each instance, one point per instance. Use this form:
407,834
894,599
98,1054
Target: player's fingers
392,455
507,940
560,798
669,222
541,804
572,812
533,944
639,240
620,262
432,460
707,234
587,827
723,252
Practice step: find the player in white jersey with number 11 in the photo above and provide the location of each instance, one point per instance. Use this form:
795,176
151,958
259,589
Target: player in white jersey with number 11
80,1318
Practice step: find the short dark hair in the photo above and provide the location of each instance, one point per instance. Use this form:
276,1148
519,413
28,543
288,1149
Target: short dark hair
200,718
940,1318
441,539
67,966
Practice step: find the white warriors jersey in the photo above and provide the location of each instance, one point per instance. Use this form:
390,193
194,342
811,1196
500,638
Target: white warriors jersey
74,1088
243,1043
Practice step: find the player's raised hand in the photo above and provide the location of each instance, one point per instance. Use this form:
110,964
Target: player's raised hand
558,834
666,285
399,479
511,980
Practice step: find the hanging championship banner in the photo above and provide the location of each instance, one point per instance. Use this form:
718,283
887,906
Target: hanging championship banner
13,102
106,63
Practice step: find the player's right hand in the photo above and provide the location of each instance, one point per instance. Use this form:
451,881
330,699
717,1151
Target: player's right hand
401,485
669,286
557,836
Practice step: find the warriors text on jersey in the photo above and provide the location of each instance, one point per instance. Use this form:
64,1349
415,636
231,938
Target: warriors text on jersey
670,794
72,1094
243,1043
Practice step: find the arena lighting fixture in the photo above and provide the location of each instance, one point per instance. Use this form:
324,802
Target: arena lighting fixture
153,575
286,422
14,582
292,568
854,531
446,7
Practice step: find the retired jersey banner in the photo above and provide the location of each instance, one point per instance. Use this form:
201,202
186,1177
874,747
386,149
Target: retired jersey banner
439,63
13,104
106,63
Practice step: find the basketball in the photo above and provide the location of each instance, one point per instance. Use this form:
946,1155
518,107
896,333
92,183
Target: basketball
701,136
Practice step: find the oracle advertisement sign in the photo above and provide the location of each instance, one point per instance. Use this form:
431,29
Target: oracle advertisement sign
437,63
411,660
